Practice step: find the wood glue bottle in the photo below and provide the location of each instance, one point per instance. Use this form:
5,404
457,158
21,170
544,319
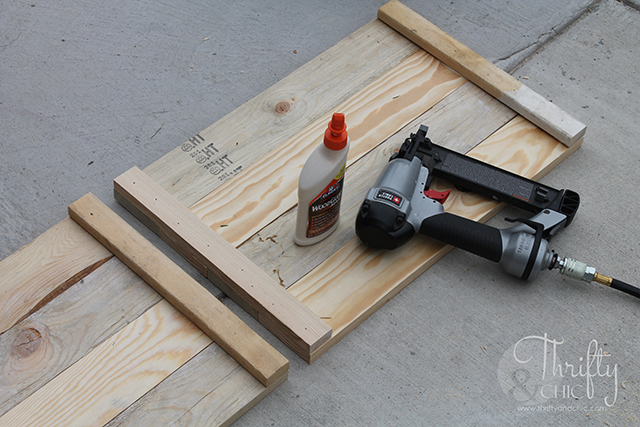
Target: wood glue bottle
320,185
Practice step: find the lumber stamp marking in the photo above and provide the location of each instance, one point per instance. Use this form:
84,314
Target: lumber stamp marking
219,152
181,290
546,115
286,317
263,193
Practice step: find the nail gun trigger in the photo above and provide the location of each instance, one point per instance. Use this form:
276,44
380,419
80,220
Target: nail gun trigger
438,196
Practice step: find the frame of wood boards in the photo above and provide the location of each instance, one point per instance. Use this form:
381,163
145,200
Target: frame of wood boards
86,341
226,198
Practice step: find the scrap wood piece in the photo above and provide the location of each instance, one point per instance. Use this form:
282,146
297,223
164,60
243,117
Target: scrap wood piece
482,72
115,374
180,289
287,318
44,268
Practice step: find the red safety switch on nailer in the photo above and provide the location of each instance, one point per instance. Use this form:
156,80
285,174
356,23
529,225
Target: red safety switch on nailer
438,196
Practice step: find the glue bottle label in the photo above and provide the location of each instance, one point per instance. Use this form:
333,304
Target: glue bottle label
324,210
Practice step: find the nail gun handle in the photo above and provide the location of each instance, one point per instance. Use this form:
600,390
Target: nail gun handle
471,236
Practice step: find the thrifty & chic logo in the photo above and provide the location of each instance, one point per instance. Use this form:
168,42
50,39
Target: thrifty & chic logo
531,372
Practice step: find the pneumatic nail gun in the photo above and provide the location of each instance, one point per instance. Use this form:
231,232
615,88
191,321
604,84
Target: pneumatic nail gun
402,204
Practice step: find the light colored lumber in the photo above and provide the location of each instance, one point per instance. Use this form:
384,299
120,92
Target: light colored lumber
210,390
460,121
356,281
260,194
547,115
482,72
36,350
59,334
248,133
44,268
115,374
276,309
181,290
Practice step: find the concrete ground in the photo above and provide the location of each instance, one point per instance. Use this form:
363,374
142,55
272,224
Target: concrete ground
90,89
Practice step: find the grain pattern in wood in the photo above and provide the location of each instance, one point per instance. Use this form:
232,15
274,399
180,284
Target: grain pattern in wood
353,283
482,72
211,386
277,310
180,289
447,49
368,301
36,350
263,192
245,135
219,406
460,121
46,267
115,374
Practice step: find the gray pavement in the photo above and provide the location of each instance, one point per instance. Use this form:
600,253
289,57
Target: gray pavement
90,89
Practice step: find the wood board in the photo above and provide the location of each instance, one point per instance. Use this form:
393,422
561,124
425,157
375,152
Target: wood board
252,205
92,344
480,71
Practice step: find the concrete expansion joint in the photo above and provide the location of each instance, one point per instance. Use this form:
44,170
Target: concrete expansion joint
549,36
539,42
634,4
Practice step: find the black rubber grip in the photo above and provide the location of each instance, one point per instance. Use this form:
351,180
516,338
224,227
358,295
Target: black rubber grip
625,287
479,239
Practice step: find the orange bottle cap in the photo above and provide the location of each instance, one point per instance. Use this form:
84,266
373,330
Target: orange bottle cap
335,137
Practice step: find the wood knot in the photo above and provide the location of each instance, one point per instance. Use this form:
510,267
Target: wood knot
283,107
26,343
31,352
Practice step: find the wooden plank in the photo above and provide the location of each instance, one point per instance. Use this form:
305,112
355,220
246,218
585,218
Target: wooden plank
46,267
181,290
211,386
460,121
277,310
231,144
59,334
480,71
115,374
356,281
267,189
50,340
260,196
